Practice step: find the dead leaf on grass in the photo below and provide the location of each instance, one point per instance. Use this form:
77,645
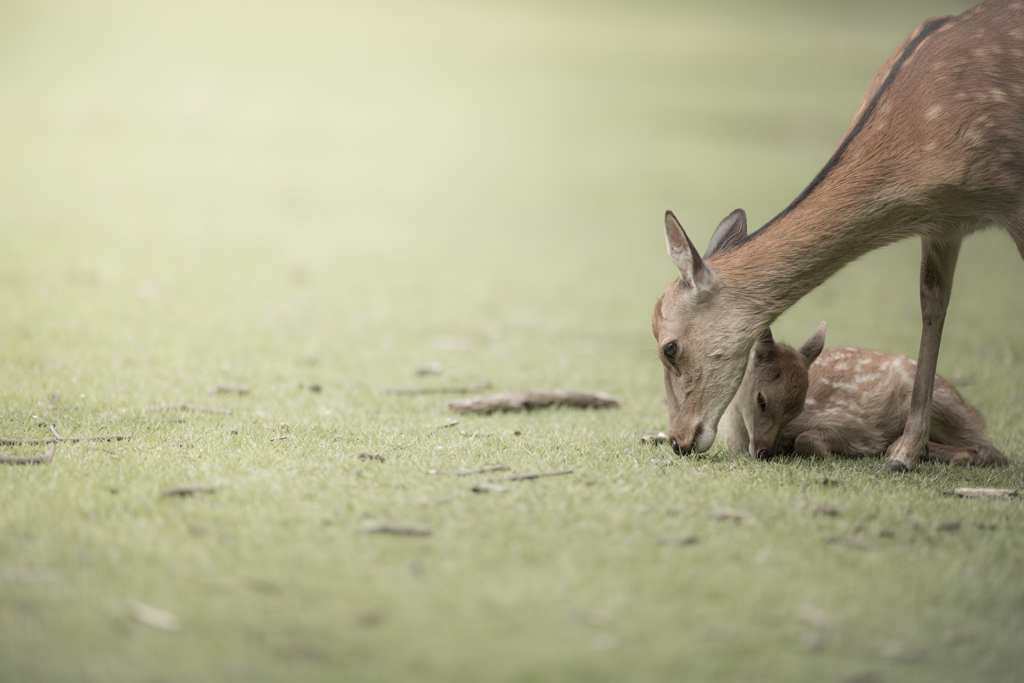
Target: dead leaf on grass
815,616
965,492
892,649
529,400
153,616
660,437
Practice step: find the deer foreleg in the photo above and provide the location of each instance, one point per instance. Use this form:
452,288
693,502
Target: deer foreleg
938,263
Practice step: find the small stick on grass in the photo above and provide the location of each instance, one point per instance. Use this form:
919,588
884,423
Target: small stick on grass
33,459
182,491
481,470
731,515
537,475
396,529
188,406
71,439
678,541
222,389
981,493
53,428
488,487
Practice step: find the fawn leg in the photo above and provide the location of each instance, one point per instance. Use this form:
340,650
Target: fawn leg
938,263
815,442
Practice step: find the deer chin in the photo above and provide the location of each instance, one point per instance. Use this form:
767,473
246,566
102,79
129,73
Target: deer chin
705,438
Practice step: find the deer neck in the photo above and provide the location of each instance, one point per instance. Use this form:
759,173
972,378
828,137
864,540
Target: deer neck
802,247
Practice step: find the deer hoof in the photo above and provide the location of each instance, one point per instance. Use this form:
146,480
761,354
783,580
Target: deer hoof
896,466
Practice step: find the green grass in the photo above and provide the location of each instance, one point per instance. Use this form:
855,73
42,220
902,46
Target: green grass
278,195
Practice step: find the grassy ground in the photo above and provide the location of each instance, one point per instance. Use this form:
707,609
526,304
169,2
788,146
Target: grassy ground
283,195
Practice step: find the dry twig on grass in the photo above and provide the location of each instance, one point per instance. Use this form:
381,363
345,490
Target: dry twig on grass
679,540
70,439
488,487
188,406
478,470
537,475
725,514
182,491
222,389
981,493
32,459
529,400
396,529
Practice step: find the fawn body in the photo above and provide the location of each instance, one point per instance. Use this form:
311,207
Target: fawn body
936,149
846,402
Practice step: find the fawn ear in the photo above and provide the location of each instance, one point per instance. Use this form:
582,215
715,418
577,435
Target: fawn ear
730,232
764,346
813,346
693,272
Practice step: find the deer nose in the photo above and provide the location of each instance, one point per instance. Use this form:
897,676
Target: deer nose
763,454
678,448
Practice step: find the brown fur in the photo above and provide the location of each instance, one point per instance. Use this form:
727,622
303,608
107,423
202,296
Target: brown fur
936,150
848,402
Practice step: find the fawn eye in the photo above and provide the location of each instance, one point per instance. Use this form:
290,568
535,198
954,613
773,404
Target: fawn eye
760,401
670,350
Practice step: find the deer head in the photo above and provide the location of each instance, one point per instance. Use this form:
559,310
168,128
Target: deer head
703,339
774,388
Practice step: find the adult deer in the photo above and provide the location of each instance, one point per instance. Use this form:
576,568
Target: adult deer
936,149
844,401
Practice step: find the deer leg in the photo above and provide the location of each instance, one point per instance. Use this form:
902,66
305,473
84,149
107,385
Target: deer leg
938,262
980,455
813,442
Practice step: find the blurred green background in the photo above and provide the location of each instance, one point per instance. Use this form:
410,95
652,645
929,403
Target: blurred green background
279,194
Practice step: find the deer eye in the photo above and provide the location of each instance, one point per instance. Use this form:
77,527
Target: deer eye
760,401
670,350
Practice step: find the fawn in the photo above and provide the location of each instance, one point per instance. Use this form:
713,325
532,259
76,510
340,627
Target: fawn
846,402
935,150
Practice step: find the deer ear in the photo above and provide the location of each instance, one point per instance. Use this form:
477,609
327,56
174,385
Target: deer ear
812,347
693,272
730,232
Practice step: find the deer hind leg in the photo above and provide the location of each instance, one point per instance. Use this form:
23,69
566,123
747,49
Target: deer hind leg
817,442
958,432
980,454
938,263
